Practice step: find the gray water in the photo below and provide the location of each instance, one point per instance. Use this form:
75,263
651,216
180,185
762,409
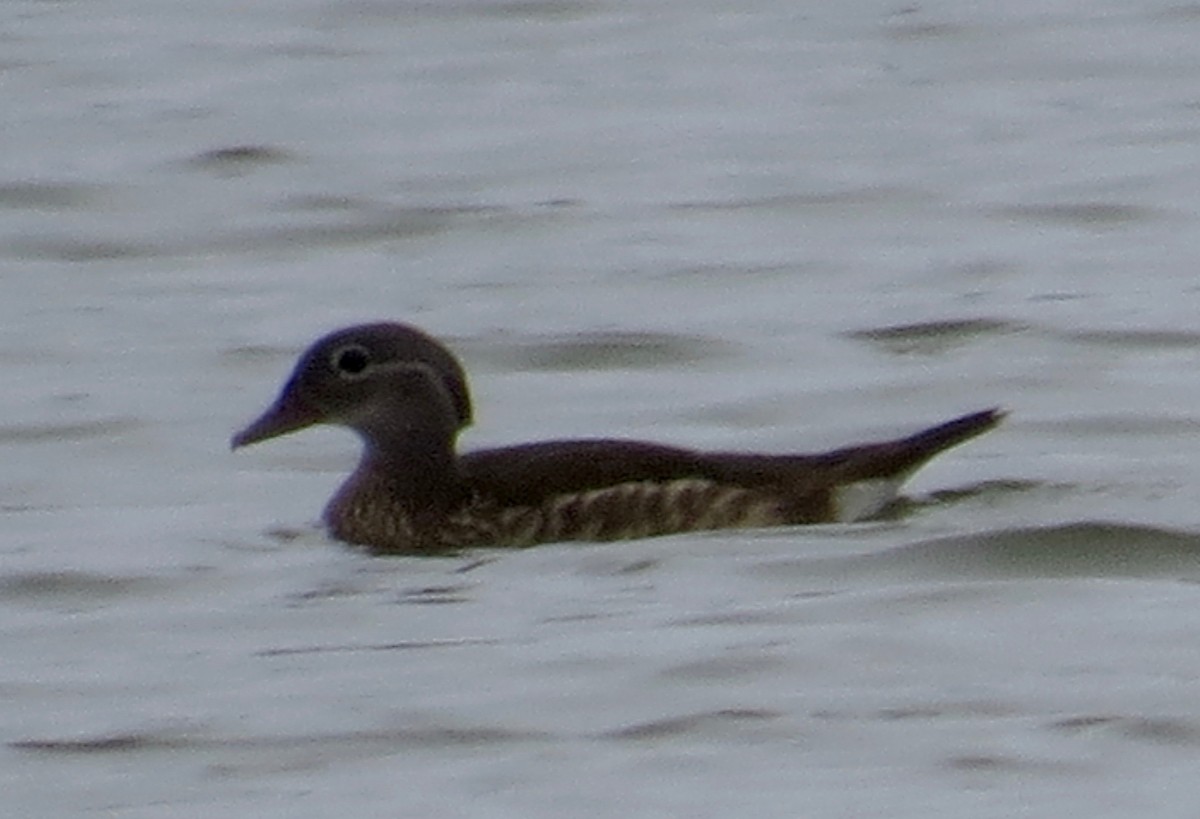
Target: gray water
764,225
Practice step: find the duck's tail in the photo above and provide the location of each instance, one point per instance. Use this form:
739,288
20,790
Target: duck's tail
925,444
869,477
899,458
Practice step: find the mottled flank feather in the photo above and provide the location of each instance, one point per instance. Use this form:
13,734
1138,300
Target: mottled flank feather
407,397
623,512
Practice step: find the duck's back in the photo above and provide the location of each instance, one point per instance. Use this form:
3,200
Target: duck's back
612,489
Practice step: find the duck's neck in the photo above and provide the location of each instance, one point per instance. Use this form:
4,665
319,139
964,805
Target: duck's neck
419,469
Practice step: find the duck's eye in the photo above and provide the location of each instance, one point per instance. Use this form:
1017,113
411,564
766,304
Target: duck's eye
351,360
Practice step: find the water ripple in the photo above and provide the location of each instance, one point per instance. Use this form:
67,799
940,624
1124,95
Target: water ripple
597,351
700,723
934,337
71,585
1080,214
1084,549
39,433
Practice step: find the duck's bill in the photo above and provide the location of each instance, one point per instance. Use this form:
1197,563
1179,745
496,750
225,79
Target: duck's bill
285,415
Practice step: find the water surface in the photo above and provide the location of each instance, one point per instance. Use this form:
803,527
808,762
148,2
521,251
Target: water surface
771,227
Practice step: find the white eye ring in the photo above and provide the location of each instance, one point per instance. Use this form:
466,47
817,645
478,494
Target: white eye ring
350,361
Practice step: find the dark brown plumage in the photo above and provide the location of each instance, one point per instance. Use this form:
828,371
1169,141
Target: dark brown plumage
407,397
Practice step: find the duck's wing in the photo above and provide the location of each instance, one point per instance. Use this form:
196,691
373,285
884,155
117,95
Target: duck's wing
530,473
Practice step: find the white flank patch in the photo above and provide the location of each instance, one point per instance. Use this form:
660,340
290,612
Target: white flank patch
865,499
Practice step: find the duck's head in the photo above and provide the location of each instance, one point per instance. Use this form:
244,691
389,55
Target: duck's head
387,381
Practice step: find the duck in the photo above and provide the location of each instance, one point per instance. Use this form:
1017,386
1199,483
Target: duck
406,396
